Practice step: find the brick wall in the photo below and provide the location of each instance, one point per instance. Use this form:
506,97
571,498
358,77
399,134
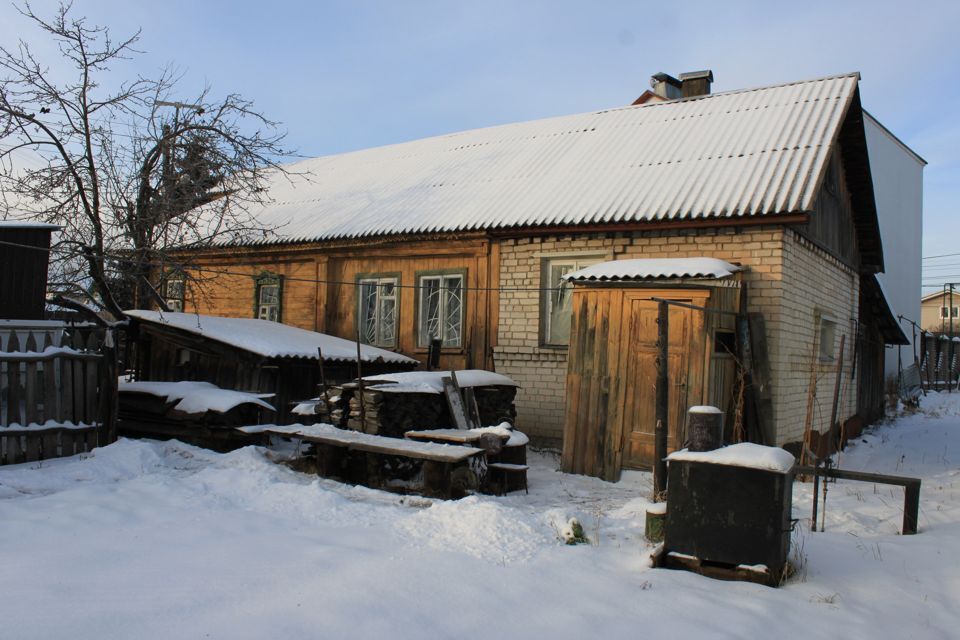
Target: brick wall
815,284
542,370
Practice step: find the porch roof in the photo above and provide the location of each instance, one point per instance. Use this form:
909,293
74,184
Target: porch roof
654,268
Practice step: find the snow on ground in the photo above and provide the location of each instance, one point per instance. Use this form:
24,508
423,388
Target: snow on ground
145,539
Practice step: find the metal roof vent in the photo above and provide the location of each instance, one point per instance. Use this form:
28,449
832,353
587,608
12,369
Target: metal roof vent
665,86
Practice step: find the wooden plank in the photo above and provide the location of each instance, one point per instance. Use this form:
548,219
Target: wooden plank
91,405
13,385
388,446
30,382
473,411
31,452
50,445
455,402
65,391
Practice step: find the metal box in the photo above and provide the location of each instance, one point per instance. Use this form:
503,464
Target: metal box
727,516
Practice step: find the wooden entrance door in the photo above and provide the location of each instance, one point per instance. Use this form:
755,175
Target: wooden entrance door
638,368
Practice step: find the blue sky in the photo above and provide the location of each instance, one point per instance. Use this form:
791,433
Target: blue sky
344,75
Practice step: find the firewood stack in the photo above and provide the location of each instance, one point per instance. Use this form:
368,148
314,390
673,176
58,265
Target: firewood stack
392,414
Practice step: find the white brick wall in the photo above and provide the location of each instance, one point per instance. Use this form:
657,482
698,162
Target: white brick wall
542,371
788,280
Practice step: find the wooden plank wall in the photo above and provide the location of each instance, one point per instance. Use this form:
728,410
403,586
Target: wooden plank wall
602,357
593,355
407,263
319,291
23,272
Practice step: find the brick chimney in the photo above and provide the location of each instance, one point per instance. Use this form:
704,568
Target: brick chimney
695,83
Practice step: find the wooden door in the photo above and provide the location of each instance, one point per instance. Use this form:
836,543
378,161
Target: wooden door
638,371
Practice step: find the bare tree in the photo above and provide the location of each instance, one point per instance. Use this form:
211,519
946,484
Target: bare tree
131,175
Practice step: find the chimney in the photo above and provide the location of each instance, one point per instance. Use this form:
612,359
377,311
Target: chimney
665,86
695,83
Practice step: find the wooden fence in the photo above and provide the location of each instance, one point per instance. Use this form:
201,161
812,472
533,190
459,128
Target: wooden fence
57,393
939,361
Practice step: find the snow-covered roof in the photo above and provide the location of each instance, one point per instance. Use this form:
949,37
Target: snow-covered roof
737,154
269,339
652,268
432,381
196,397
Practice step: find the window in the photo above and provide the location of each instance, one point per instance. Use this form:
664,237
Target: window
440,309
377,310
268,295
174,291
556,306
828,331
944,312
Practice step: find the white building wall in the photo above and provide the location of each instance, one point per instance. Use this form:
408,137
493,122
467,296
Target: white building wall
898,188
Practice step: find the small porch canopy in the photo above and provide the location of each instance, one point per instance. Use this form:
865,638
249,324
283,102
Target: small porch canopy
654,269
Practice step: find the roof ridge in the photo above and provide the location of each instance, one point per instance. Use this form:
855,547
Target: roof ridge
460,132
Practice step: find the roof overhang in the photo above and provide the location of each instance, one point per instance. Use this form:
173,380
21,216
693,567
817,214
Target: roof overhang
875,301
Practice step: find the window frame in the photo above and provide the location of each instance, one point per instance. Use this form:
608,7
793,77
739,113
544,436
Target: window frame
380,278
442,274
268,279
179,302
578,261
827,323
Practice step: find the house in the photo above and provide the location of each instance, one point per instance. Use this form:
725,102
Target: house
940,311
472,239
897,173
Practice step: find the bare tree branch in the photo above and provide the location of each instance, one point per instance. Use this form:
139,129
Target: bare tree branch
129,181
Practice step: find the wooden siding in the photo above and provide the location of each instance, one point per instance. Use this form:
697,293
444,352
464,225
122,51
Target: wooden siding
23,272
319,288
831,225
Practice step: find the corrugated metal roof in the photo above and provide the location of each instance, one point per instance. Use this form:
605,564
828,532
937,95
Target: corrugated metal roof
653,268
743,153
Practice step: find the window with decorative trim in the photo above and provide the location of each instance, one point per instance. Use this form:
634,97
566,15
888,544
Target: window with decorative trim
556,302
377,304
174,291
440,310
268,297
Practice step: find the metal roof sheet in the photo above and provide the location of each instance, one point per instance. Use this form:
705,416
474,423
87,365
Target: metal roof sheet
653,268
742,153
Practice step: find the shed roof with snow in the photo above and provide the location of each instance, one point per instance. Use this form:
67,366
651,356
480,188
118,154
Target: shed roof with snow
269,339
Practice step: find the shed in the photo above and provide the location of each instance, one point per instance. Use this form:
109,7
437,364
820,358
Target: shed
24,252
611,368
247,354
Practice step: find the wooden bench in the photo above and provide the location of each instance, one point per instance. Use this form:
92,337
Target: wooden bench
439,461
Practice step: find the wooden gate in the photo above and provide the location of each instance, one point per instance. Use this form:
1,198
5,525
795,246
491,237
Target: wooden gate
611,376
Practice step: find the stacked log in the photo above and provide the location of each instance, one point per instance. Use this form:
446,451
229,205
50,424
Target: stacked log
392,414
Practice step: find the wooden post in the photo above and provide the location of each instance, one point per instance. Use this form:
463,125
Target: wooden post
836,387
662,402
911,508
363,413
323,382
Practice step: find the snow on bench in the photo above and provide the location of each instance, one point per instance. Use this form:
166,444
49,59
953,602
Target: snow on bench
356,441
